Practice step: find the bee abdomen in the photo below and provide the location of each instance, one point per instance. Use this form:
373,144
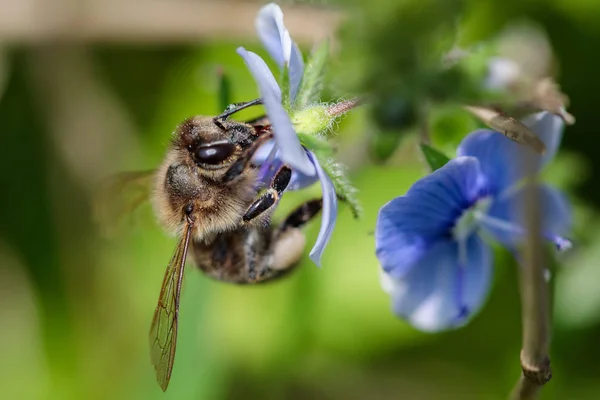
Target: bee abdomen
242,256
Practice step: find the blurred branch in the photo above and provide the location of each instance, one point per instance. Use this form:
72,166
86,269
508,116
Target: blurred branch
424,111
535,361
27,21
90,129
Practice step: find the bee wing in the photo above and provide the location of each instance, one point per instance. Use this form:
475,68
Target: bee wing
120,195
163,332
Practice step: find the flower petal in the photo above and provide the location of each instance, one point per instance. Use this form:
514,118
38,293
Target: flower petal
498,155
261,73
502,159
409,225
441,293
298,180
273,33
549,128
329,215
296,71
276,39
556,214
292,152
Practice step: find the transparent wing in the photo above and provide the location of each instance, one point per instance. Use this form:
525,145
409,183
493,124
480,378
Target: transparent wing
119,196
163,332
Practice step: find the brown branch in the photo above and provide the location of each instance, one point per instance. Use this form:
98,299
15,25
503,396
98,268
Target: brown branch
535,361
27,21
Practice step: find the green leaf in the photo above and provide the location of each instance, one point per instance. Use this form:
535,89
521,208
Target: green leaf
343,188
312,81
224,90
321,147
435,159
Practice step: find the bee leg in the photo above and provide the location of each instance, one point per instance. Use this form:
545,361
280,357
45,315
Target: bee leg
301,215
232,109
271,196
288,244
289,240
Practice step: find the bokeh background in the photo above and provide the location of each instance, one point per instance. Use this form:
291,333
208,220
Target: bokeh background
90,88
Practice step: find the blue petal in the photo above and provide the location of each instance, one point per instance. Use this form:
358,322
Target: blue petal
329,214
298,180
409,225
296,71
498,155
556,215
441,292
273,33
267,157
292,152
502,159
263,152
261,74
549,128
276,39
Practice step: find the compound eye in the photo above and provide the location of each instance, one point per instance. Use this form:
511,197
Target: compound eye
214,153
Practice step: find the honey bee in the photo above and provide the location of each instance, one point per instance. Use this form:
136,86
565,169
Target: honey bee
206,193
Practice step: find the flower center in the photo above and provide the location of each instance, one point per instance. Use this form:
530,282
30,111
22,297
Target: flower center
468,222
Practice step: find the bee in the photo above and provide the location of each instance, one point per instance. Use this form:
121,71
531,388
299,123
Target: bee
206,193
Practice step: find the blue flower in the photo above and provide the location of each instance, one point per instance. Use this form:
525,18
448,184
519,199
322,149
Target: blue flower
436,267
287,147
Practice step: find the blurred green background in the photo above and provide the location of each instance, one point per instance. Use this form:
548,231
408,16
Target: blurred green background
82,98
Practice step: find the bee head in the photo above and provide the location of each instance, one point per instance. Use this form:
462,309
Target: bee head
211,147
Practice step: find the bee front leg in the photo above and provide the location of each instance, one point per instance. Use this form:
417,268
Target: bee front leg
278,184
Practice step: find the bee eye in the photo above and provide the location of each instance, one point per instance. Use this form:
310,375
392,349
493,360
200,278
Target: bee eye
214,153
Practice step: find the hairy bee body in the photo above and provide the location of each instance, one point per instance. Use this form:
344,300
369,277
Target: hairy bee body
224,245
179,182
249,255
208,192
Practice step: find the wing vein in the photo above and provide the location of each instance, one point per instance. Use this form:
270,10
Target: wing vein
163,331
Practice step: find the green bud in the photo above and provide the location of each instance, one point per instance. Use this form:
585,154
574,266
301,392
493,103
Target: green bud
313,120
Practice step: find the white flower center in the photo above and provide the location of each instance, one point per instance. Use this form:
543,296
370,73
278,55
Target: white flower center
468,222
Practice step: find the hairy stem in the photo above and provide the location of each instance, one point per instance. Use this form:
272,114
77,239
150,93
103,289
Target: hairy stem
535,361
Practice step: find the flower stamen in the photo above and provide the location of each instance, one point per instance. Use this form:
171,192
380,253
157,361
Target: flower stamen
467,223
561,243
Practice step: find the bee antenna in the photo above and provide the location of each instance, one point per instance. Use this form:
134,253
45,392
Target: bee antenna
232,109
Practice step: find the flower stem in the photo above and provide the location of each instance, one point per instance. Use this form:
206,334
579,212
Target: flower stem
344,106
535,362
